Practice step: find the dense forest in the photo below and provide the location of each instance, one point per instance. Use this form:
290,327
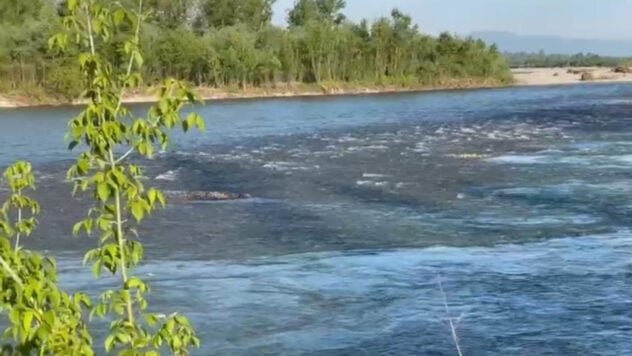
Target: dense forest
233,44
543,60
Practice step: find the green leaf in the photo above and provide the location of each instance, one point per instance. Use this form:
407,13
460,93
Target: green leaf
161,199
88,223
137,211
136,283
103,191
152,195
200,123
138,58
119,16
183,321
176,343
110,343
96,269
27,321
152,319
77,228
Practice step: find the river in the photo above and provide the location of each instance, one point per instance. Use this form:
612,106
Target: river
517,202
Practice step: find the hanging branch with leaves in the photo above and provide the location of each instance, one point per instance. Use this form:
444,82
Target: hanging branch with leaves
43,318
109,135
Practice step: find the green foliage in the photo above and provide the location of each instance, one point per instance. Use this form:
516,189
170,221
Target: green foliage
122,201
543,60
305,11
65,79
223,13
170,13
11,11
25,25
231,43
43,318
389,51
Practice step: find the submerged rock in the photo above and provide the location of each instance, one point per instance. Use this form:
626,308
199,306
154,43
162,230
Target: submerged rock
201,195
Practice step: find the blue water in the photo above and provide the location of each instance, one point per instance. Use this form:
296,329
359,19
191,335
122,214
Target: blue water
516,200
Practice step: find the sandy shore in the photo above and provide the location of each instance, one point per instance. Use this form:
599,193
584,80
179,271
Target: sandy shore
8,101
557,76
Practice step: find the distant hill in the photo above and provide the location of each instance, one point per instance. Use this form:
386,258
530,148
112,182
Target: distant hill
511,42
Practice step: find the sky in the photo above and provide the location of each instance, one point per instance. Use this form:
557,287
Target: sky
593,19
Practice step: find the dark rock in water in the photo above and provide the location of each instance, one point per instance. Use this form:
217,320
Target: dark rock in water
192,196
215,196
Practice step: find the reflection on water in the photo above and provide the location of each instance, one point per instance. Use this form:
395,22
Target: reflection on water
518,199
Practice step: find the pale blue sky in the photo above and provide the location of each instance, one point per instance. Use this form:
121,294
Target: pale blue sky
611,19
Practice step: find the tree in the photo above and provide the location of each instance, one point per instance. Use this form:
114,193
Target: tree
290,56
43,319
381,34
25,27
16,11
319,41
316,10
170,13
221,43
222,13
542,59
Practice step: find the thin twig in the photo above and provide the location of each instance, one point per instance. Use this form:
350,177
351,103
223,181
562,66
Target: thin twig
90,35
130,63
455,337
128,72
19,222
125,155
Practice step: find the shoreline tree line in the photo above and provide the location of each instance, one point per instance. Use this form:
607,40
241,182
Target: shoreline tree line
233,44
549,60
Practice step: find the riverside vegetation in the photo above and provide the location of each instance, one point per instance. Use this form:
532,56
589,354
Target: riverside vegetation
43,319
232,45
544,60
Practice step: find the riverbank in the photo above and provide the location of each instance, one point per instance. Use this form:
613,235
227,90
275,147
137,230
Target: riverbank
567,75
522,77
284,91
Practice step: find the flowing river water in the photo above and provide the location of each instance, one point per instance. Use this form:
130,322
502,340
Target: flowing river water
518,202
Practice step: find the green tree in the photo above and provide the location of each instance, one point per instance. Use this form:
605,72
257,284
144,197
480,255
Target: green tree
170,13
43,318
319,41
222,13
305,11
290,57
26,25
226,43
16,11
102,130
